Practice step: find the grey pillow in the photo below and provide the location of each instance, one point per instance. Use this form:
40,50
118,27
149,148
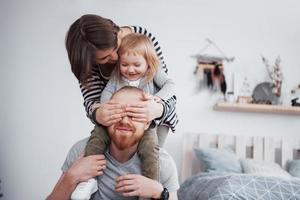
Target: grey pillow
263,168
218,160
293,167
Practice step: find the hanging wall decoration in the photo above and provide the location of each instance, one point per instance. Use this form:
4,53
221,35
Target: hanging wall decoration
210,68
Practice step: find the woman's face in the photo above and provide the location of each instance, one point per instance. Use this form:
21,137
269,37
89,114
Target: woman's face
108,55
133,66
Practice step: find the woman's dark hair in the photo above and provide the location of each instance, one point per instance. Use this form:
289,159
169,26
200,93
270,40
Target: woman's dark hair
86,35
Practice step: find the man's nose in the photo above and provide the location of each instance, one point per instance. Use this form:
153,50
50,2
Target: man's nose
125,120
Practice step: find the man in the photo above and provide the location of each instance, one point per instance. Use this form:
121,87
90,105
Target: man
119,174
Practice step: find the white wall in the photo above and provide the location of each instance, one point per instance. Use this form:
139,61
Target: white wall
41,105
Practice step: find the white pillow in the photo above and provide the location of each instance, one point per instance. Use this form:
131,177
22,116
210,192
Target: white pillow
263,168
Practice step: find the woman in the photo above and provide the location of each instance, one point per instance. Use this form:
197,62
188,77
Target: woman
92,43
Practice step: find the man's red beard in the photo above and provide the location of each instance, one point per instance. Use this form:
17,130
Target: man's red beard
127,139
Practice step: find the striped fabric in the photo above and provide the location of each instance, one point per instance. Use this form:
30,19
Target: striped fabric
97,83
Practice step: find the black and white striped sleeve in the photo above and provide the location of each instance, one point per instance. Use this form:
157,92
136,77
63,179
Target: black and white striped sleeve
91,91
169,116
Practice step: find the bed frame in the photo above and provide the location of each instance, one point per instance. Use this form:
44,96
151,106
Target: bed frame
256,147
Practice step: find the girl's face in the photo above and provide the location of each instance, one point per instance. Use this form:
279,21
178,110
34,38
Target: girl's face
133,67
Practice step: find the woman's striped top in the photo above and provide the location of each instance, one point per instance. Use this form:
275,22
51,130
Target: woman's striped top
97,83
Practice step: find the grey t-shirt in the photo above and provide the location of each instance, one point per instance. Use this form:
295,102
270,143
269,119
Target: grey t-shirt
106,182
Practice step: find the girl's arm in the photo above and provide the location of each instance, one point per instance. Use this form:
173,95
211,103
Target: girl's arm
109,90
165,84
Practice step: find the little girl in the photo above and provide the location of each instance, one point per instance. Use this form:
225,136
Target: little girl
138,66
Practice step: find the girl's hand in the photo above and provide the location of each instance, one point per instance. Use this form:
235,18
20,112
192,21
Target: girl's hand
88,167
145,111
130,185
109,113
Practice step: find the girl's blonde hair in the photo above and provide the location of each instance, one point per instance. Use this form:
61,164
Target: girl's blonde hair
138,44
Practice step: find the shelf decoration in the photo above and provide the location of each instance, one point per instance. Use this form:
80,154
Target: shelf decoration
210,68
275,74
269,92
295,96
245,92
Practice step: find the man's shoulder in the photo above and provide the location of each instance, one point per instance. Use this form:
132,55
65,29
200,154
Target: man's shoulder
80,144
77,148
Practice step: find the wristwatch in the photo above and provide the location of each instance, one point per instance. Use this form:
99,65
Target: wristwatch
165,194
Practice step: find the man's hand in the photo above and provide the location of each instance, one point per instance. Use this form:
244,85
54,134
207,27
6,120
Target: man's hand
109,113
85,168
137,185
145,111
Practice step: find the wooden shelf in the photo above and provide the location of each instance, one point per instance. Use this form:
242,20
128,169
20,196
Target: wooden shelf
257,108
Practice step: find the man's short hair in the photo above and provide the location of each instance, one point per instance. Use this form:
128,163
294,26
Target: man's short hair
129,89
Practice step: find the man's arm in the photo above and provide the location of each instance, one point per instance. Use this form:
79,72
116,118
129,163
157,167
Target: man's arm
137,185
63,188
81,170
130,185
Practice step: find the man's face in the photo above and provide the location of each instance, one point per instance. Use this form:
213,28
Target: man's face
126,133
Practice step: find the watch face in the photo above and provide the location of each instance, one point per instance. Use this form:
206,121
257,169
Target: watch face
262,93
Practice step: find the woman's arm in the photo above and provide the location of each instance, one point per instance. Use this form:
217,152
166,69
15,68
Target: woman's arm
91,92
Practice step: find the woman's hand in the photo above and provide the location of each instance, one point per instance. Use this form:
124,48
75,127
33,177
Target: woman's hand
109,113
88,167
145,111
130,185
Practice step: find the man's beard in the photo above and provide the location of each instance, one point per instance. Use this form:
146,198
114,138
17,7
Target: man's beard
124,141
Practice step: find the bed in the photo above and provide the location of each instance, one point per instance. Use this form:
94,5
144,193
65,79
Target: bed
259,182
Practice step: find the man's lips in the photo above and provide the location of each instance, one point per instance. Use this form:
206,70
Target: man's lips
123,128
